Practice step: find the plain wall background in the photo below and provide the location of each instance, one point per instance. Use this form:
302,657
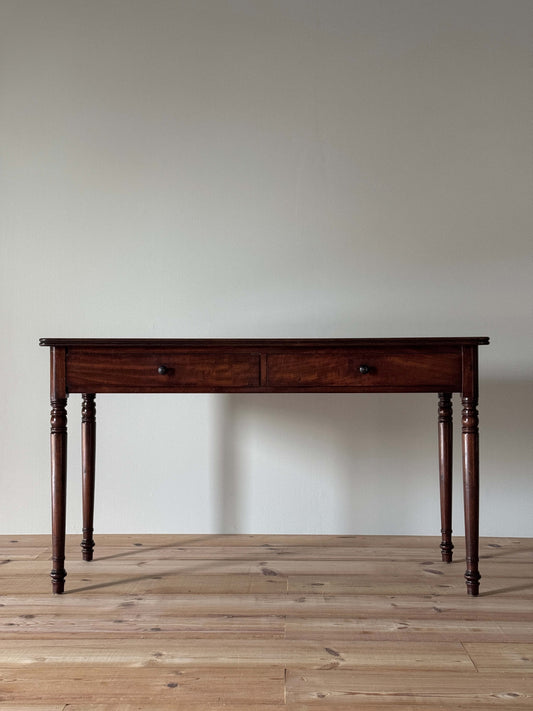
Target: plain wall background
266,168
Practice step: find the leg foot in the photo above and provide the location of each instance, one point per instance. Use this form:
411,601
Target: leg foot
446,548
87,545
58,580
472,578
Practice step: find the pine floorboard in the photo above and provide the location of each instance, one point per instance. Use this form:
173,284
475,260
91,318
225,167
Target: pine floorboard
265,623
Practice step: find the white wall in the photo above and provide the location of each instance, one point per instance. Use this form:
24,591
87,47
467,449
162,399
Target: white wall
266,168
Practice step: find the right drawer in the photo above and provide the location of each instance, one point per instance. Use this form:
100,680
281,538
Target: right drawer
366,369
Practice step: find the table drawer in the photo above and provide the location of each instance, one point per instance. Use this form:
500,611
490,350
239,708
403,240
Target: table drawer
159,370
366,369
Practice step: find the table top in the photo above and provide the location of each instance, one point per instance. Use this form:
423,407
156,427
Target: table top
265,342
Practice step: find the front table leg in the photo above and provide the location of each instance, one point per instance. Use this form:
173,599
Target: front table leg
88,450
470,423
58,449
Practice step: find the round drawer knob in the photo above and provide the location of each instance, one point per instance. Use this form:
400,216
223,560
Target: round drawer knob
364,369
162,370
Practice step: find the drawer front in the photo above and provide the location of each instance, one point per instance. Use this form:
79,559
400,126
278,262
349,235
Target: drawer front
366,369
159,370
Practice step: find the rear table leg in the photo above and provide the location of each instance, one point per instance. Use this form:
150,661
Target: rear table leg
445,472
88,452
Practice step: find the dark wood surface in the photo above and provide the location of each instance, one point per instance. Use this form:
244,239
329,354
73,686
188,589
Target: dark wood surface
445,472
88,452
264,365
90,366
269,343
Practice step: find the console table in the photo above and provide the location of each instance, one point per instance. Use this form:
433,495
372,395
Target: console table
354,365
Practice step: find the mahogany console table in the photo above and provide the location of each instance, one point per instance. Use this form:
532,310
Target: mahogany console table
355,365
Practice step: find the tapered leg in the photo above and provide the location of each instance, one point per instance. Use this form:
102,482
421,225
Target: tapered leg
58,449
470,424
445,474
88,451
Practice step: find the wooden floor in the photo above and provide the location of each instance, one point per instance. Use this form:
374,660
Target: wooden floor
263,623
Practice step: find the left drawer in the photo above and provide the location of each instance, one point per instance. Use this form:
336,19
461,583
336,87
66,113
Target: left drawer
159,370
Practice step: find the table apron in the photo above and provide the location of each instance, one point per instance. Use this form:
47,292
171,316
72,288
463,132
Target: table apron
174,370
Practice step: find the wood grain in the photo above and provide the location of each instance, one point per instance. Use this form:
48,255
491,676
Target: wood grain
395,690
238,622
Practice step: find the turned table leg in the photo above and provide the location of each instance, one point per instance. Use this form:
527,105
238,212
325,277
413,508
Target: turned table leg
58,449
470,422
88,451
445,474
